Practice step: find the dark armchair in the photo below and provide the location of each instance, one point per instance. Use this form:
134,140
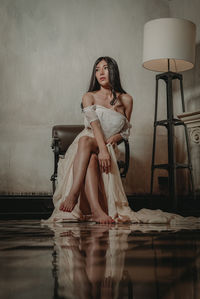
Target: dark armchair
63,136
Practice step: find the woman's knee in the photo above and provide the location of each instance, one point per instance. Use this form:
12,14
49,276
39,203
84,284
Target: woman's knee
85,142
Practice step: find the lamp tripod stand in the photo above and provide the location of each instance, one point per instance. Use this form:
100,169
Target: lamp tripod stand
170,123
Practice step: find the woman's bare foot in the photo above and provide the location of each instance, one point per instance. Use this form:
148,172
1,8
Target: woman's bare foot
69,203
103,218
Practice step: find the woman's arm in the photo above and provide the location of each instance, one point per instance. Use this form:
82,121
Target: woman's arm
127,102
114,139
103,156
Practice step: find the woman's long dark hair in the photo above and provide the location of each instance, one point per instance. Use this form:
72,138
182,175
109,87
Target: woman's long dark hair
114,77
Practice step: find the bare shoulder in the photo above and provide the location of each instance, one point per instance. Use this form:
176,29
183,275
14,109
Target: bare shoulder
127,100
88,99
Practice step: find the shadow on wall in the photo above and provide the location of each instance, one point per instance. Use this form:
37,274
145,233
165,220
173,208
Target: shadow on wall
138,178
135,181
192,85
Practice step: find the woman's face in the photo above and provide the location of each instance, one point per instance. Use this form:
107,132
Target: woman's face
102,73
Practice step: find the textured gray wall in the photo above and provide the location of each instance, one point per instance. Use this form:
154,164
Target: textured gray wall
190,10
47,50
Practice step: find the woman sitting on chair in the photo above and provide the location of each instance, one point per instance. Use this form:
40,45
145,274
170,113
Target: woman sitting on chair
92,157
83,190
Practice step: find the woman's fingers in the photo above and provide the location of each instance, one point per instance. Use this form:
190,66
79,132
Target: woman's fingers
101,167
104,161
105,165
109,166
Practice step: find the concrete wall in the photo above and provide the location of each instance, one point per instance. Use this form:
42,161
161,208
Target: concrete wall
191,80
47,50
190,10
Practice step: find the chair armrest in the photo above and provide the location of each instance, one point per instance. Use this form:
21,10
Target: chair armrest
124,165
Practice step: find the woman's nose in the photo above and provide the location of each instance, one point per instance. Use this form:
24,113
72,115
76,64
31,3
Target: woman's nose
102,71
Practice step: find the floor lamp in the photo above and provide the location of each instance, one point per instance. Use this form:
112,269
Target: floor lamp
169,47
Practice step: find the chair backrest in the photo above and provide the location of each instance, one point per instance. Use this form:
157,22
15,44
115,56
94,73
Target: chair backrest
65,134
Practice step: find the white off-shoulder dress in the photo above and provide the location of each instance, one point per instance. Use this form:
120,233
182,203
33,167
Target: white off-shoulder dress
112,122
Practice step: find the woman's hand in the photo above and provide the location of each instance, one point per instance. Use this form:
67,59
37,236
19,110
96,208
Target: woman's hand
114,139
104,160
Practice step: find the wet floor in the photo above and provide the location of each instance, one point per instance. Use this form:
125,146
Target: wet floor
88,260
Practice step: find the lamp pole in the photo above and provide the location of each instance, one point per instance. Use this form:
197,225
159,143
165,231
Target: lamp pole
170,124
169,48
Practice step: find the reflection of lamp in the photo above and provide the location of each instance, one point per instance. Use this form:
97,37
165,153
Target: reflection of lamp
169,46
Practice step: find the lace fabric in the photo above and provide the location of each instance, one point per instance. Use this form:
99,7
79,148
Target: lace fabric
112,122
125,132
90,113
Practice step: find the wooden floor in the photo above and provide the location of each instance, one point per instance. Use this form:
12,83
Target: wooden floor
87,260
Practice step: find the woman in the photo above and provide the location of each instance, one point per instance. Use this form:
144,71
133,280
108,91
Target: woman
82,190
92,156
89,183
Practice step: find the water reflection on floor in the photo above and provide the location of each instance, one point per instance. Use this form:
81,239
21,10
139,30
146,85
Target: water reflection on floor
88,260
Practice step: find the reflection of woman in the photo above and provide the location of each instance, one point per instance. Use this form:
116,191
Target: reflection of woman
89,183
89,263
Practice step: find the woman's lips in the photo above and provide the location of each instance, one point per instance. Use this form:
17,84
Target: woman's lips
102,78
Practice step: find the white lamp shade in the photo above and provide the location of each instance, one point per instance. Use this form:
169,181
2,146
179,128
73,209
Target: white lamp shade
169,38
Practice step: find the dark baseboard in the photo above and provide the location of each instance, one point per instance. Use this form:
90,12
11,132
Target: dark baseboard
41,206
25,206
186,205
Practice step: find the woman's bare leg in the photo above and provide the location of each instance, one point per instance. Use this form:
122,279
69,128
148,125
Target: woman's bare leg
97,204
86,146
